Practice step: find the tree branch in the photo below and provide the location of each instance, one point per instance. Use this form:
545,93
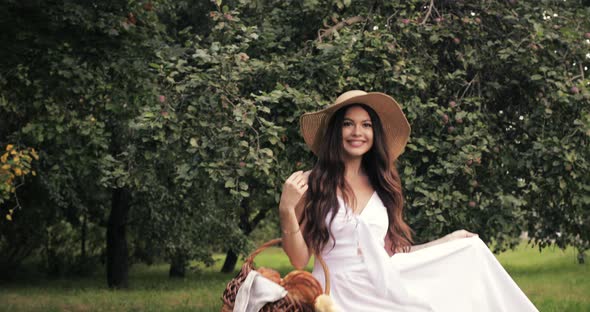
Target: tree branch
259,217
428,13
388,23
468,86
347,22
581,75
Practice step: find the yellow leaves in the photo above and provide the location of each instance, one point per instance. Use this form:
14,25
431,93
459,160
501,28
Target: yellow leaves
9,215
15,165
34,154
20,158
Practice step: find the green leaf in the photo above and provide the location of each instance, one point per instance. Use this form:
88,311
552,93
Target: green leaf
243,186
562,184
434,38
230,183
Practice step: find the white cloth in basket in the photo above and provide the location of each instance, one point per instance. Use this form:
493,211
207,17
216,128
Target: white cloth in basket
256,291
458,276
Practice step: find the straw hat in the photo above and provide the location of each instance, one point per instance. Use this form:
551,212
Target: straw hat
395,125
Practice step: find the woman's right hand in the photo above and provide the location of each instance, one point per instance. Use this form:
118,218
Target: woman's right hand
293,189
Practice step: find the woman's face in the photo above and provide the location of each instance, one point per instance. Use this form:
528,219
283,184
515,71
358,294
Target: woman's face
357,132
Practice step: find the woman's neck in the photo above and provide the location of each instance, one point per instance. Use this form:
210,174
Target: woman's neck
353,168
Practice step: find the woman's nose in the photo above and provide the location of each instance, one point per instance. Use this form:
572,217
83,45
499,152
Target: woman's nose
356,130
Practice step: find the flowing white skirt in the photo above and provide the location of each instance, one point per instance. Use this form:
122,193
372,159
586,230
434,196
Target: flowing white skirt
458,276
461,275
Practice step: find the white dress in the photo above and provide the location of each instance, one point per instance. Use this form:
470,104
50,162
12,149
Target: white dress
459,276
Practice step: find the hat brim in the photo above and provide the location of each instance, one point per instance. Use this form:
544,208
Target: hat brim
395,125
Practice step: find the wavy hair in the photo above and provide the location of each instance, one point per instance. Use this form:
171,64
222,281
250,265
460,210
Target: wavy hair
327,176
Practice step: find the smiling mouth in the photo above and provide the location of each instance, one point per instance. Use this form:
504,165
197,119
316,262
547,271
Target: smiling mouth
356,143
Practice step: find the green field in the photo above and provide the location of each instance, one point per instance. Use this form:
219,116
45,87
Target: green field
552,279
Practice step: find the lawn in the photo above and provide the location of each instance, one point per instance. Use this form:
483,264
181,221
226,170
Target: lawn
552,279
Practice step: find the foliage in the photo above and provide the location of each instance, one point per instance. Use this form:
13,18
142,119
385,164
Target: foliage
61,254
551,158
229,137
14,166
73,77
467,80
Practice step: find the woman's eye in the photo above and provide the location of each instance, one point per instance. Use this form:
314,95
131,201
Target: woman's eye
347,124
367,125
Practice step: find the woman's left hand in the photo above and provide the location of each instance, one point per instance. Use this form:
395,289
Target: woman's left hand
459,234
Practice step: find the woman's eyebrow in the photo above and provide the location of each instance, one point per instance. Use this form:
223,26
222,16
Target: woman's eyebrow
348,118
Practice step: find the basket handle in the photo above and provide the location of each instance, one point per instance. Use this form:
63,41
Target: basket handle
276,241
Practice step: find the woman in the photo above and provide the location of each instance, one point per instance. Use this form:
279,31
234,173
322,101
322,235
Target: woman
351,210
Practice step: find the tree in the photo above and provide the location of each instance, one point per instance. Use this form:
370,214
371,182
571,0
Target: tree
80,77
231,138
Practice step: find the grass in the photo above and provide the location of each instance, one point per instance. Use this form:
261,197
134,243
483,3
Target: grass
552,279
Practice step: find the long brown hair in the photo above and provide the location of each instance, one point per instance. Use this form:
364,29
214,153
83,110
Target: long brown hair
327,176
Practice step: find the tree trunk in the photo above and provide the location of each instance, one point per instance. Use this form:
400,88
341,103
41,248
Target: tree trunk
117,258
230,262
247,227
178,266
83,238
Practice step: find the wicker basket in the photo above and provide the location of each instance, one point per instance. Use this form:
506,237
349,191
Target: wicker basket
287,303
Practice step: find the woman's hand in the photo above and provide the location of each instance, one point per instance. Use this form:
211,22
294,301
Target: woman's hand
459,234
290,212
293,189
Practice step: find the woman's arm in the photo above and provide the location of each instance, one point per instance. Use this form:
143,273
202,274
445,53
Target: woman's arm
290,211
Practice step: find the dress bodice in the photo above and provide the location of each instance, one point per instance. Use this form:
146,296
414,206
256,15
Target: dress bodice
345,244
357,249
